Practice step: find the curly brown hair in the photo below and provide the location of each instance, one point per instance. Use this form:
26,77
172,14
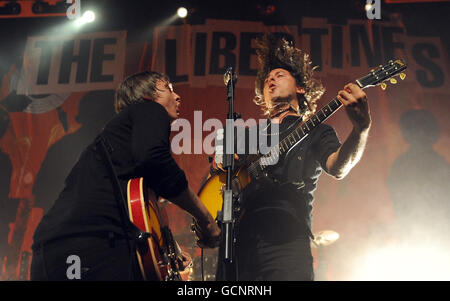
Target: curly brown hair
273,53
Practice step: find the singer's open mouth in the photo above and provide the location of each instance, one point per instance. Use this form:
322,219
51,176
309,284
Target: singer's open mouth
272,87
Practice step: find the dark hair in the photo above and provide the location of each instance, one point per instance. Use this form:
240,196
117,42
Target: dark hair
274,52
135,87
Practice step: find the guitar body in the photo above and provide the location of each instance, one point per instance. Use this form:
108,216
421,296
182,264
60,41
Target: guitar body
211,192
145,213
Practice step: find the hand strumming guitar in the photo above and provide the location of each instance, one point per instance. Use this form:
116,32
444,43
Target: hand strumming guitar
206,228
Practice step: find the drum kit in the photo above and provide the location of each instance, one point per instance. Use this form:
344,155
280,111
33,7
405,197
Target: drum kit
324,238
321,240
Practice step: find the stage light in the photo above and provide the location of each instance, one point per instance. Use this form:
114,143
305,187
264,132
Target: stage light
182,12
88,17
368,7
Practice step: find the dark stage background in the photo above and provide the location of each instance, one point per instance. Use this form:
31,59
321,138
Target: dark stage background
391,212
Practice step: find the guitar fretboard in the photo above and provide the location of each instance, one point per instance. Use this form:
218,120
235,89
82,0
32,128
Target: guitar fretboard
296,136
302,131
374,78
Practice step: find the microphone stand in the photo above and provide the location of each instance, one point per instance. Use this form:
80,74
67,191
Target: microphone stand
227,266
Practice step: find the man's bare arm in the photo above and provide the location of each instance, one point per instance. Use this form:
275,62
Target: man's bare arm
345,158
348,155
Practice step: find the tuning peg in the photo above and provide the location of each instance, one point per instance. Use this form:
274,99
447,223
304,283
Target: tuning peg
383,86
402,76
393,81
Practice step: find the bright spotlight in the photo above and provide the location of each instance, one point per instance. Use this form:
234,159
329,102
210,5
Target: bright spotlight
182,12
368,7
87,17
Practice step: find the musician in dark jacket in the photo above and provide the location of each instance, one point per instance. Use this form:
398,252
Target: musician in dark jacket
273,237
85,220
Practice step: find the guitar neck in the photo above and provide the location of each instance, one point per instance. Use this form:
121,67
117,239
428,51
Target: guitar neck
305,128
296,136
374,78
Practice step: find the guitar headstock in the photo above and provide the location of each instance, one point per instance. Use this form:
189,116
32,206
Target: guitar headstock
382,74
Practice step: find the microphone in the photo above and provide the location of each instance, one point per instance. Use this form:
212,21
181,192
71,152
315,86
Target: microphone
229,74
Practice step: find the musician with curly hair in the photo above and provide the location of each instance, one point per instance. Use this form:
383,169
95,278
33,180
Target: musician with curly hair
273,237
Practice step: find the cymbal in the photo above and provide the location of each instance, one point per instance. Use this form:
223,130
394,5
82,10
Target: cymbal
325,238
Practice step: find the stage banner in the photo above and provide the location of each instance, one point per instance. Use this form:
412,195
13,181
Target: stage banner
199,54
65,64
56,95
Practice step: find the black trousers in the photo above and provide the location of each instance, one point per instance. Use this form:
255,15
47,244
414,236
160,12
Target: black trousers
101,257
271,248
262,260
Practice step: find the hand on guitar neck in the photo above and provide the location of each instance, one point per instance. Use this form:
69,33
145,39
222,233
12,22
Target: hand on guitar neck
354,100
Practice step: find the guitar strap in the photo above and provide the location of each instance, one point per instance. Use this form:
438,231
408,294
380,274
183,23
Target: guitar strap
131,230
133,233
